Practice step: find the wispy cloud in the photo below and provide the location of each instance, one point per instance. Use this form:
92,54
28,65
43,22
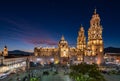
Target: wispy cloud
41,41
21,30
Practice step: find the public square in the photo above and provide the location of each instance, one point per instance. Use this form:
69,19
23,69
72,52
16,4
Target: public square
59,40
61,75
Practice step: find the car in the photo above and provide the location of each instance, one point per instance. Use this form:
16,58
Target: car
3,76
7,72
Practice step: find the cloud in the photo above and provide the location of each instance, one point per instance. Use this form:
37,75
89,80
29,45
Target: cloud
42,41
28,33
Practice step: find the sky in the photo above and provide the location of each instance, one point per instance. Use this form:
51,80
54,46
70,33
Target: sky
26,24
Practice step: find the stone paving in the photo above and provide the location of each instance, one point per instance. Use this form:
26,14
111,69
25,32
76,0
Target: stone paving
57,77
13,77
112,77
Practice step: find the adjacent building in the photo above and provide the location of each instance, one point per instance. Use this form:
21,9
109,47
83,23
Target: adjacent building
112,58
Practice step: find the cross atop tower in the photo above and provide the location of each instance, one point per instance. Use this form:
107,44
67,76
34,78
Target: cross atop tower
81,28
5,46
95,11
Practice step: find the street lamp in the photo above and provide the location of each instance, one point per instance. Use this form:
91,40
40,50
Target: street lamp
27,67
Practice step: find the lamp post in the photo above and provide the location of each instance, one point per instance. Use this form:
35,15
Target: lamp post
27,67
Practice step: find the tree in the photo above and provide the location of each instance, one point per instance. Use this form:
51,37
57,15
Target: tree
86,72
34,79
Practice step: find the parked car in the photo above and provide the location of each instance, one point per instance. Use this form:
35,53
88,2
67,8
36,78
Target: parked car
3,76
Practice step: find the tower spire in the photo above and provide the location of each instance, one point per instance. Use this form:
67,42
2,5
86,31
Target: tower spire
95,11
81,39
62,38
5,46
81,28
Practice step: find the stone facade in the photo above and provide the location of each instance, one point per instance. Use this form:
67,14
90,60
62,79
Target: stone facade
90,51
5,51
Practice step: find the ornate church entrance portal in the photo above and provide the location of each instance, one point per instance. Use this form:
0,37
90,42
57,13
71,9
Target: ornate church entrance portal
64,61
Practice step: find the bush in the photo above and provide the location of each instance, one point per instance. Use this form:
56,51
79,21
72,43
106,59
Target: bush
112,72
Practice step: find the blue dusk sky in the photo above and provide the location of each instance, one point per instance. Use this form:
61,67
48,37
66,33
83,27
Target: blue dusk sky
26,24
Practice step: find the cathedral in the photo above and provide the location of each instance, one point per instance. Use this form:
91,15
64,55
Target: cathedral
90,51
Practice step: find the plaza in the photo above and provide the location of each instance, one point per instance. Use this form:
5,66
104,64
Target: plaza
59,40
52,76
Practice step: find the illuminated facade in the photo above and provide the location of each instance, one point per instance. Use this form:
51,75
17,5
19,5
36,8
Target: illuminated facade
5,51
95,42
90,51
10,64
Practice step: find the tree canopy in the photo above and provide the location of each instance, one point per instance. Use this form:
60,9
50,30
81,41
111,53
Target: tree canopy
86,72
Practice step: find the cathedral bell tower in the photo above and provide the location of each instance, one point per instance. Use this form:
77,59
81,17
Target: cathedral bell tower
81,39
81,44
95,41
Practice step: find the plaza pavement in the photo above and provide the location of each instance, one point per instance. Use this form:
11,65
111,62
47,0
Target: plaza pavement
58,77
112,77
13,77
